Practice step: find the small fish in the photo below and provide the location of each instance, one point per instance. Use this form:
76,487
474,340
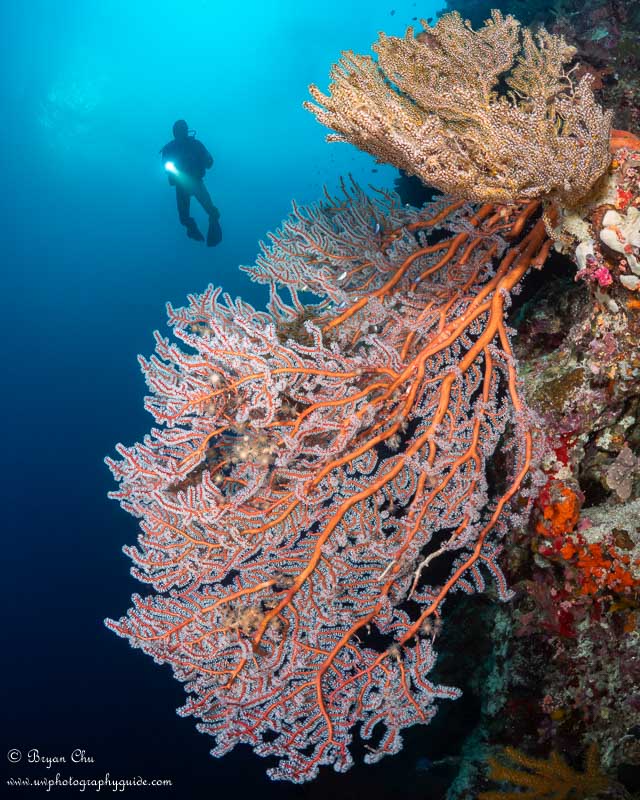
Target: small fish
377,230
424,764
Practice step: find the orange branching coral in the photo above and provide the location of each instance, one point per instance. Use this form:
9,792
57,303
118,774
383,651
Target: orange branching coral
295,495
431,104
550,779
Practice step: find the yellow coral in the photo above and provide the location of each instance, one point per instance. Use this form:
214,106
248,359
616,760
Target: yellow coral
546,779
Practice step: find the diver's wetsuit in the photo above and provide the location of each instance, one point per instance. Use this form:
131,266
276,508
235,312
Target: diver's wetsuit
192,159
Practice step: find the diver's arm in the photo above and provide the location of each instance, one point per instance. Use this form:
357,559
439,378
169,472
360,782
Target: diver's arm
206,156
164,154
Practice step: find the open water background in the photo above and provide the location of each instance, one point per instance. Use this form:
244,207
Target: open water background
91,251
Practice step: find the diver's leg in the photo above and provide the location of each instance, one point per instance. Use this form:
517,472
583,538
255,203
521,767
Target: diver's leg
214,234
201,193
183,200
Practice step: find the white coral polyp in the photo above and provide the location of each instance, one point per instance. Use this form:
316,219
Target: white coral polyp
583,250
622,235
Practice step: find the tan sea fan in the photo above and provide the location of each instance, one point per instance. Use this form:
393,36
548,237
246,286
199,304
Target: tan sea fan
491,115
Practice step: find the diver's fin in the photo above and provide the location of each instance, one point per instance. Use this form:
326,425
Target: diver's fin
194,233
214,234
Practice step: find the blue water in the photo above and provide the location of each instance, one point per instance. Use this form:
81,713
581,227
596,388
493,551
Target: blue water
91,251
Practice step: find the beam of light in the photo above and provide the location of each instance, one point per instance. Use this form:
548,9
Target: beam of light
171,167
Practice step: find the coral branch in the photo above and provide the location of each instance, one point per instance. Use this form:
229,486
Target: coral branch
317,467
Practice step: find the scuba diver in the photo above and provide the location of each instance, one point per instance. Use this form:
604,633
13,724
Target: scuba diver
186,160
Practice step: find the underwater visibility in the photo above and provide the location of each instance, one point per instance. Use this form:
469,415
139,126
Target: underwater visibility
383,527
320,481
